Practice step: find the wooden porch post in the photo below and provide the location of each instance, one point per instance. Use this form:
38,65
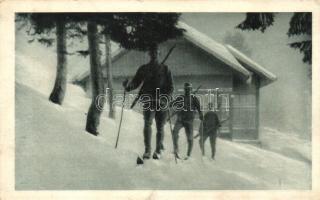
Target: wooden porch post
231,114
258,107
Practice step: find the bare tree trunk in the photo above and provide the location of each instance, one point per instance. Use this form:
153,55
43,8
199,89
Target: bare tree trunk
109,75
59,89
98,86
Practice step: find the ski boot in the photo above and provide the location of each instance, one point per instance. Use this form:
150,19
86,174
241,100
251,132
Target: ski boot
95,133
139,161
146,155
186,158
156,155
176,155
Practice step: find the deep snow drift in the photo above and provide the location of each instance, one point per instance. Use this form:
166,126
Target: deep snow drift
54,152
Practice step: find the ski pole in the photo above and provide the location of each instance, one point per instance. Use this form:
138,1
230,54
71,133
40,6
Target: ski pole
175,157
124,98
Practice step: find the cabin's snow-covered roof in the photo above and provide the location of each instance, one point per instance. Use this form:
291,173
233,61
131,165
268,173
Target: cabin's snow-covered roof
252,65
227,54
212,47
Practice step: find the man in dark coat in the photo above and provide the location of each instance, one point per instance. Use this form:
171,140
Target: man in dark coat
185,105
156,79
209,129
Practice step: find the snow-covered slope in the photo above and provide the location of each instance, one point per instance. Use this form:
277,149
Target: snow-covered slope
54,152
288,144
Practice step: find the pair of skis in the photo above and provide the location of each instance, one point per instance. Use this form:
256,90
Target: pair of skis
141,161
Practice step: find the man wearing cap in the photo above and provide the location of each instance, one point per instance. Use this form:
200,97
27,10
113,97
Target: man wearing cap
156,79
186,105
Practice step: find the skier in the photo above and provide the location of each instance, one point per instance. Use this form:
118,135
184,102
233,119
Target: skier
185,105
209,128
156,79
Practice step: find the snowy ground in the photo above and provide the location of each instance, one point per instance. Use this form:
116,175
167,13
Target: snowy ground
288,144
53,152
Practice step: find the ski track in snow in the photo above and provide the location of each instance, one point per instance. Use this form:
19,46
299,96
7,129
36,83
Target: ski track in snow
53,151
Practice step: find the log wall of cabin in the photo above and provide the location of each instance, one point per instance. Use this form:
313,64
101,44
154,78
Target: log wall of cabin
245,109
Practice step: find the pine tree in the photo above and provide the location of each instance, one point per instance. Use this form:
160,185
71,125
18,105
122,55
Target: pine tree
145,31
42,25
257,21
300,24
106,22
108,66
59,89
98,86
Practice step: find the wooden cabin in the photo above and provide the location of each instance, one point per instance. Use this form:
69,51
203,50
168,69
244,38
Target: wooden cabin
228,78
